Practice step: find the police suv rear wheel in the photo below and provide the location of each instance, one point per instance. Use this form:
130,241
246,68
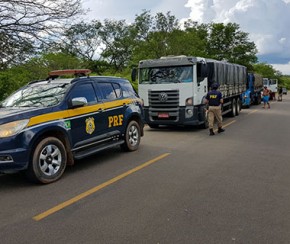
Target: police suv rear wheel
48,162
132,137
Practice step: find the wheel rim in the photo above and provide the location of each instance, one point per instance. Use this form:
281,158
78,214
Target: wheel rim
133,135
50,160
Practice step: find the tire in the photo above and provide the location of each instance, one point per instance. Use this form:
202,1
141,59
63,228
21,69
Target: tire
238,106
234,108
132,137
48,161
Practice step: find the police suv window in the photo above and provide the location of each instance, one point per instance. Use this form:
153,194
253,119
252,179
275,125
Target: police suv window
84,90
117,89
128,90
108,91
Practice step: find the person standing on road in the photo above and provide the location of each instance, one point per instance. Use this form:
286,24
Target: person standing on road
214,99
280,94
266,96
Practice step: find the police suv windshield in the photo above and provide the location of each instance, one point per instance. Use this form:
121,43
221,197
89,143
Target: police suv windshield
37,95
172,74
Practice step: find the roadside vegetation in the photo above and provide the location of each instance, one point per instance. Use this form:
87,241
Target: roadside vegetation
39,36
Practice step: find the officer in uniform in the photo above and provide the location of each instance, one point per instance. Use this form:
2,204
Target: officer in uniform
214,99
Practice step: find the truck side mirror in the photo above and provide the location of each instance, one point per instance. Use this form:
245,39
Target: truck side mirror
134,74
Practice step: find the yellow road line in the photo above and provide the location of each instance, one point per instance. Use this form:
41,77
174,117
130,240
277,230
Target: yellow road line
95,189
228,124
254,111
233,121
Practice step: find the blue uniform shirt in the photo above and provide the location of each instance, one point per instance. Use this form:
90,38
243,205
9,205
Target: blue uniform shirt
214,98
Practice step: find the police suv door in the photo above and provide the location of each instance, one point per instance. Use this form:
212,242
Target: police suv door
115,106
86,122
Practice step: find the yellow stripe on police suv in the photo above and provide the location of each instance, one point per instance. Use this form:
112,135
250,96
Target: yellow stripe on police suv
76,112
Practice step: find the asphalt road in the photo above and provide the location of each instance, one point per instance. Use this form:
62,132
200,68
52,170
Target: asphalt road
181,186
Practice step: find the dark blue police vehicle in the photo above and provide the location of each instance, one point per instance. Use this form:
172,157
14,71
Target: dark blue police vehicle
47,124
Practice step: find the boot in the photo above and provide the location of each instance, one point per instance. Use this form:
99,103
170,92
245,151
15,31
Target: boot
211,133
220,130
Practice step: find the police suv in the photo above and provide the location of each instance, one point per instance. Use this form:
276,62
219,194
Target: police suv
47,124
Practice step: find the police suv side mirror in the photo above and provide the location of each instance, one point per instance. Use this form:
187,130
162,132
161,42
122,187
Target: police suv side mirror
78,102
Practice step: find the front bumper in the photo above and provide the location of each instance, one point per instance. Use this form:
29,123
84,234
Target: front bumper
179,117
13,160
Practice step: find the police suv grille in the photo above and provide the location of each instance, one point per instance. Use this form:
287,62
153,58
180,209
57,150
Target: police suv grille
164,105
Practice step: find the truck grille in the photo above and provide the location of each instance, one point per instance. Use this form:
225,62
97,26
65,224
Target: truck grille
164,105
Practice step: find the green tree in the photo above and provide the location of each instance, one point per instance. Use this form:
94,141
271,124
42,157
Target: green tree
266,70
191,41
285,81
36,68
118,43
24,24
228,42
154,36
82,40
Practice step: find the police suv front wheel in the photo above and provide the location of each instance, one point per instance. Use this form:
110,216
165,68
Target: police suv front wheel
48,161
132,137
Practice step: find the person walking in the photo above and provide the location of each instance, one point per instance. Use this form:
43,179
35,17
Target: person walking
214,99
266,96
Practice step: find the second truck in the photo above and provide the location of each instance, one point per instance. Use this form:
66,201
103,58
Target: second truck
252,96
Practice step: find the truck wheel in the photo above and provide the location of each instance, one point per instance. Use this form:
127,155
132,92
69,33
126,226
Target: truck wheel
238,106
48,161
132,137
234,108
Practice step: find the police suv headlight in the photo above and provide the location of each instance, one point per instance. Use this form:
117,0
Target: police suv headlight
12,128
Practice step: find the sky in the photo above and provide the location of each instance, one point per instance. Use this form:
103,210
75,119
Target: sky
266,21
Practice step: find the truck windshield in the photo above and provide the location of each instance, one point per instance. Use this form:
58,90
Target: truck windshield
172,74
36,95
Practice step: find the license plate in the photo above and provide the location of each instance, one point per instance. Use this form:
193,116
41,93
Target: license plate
163,115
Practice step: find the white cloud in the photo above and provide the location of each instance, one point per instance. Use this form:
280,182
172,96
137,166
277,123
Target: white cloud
284,68
266,21
127,9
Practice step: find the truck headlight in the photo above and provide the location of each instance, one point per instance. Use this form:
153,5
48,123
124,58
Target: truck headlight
12,128
188,112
